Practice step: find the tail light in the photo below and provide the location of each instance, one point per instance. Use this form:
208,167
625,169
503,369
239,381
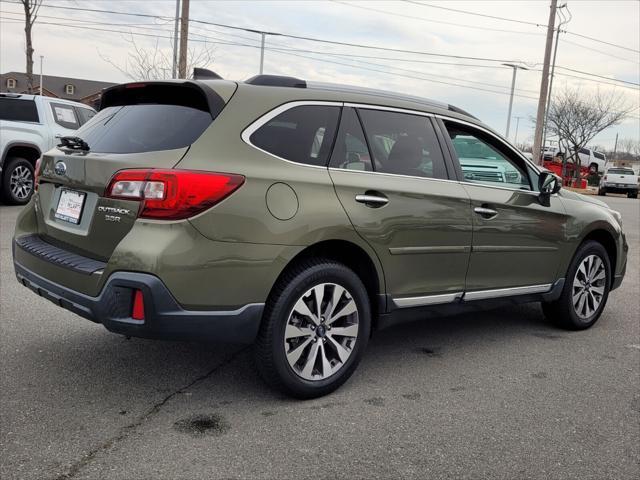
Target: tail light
172,194
36,174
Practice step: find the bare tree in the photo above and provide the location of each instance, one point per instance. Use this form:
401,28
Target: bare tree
31,8
155,63
576,117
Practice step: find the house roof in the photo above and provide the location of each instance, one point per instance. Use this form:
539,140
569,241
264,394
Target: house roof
56,85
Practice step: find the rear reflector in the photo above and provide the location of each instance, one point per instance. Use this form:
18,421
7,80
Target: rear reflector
138,306
172,194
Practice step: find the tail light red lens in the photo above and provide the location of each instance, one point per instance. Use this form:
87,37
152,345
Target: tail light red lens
172,194
137,312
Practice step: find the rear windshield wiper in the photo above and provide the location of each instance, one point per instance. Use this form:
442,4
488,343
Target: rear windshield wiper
74,143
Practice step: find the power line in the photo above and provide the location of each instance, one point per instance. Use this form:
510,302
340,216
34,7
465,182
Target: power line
298,37
521,21
443,22
599,76
291,54
476,14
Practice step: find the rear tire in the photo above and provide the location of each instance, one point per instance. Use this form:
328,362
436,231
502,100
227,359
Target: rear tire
602,192
585,291
632,195
303,355
17,181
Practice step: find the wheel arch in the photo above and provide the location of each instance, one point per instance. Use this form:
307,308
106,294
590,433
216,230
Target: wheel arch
28,151
354,257
606,238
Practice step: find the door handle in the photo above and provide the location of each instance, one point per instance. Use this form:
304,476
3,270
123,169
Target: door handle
372,199
486,212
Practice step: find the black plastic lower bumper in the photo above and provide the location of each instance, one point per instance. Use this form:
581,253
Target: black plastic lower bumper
632,189
164,317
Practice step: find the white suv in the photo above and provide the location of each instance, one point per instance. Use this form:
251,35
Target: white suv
29,126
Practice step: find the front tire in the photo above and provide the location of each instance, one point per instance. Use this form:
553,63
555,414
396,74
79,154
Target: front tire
585,291
314,330
17,181
632,195
602,192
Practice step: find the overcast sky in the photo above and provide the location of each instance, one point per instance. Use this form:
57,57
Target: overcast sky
79,52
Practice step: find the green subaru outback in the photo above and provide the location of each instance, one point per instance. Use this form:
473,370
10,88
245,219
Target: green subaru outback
301,217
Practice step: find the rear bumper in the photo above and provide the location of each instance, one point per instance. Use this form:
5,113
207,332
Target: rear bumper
164,317
615,188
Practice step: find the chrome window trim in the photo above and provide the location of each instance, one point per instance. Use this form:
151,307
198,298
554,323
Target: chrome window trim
506,292
389,109
393,175
494,135
259,122
408,302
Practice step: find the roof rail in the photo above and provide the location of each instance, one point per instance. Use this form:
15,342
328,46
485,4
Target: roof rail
276,81
336,87
10,95
453,108
204,74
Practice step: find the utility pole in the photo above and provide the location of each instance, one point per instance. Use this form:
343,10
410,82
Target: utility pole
564,20
513,87
184,37
544,84
615,147
262,53
515,137
175,40
42,57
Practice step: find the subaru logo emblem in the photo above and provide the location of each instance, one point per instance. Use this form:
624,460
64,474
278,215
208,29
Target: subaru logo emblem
60,168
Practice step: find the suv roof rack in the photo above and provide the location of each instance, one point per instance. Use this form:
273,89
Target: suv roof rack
276,81
11,95
204,74
453,108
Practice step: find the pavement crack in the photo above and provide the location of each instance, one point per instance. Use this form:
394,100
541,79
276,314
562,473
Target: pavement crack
125,431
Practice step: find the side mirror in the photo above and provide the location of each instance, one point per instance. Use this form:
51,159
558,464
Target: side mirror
548,184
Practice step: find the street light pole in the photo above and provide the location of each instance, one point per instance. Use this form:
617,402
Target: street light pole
262,34
515,137
41,58
513,87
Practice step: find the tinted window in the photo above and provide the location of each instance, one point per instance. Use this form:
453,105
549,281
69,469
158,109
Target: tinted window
65,116
484,161
403,144
598,155
301,134
620,171
85,114
144,128
350,151
18,110
584,151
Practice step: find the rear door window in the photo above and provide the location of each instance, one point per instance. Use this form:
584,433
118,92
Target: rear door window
17,110
65,116
301,134
403,144
350,151
144,128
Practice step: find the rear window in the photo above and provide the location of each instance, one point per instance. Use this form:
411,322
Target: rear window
18,110
301,134
144,128
65,116
621,171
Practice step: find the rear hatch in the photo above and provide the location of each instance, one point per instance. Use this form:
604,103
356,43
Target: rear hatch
621,176
139,126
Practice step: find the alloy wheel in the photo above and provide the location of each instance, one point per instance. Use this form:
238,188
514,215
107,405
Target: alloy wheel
21,182
589,286
321,331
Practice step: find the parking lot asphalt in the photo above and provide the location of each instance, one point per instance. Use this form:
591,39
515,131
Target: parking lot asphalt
500,394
